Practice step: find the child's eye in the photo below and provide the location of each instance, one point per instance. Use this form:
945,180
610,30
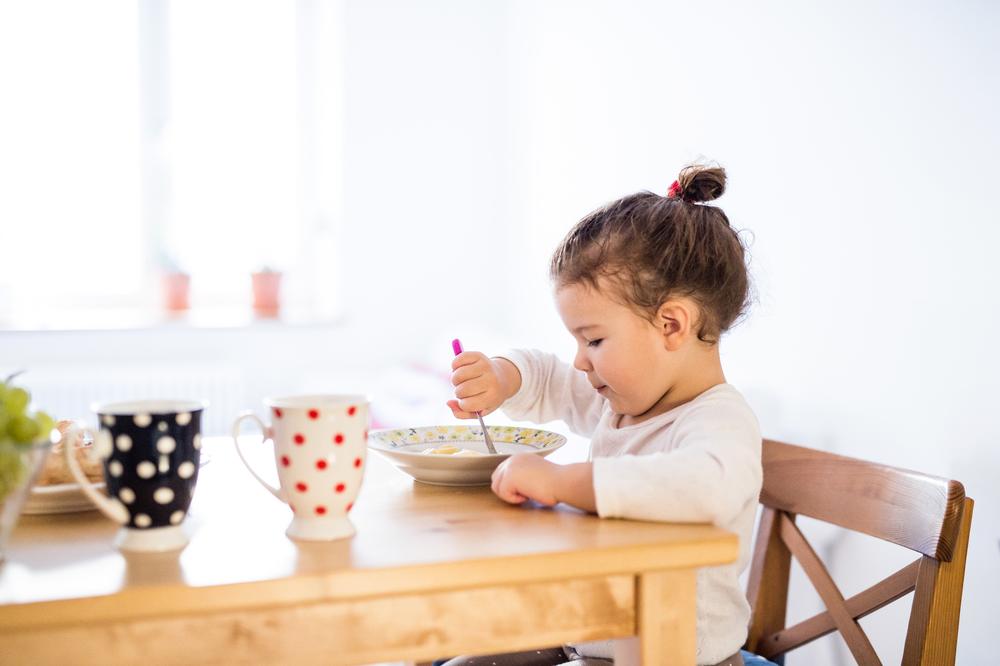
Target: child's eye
595,343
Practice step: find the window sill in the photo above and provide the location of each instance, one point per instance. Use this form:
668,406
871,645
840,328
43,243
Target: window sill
139,319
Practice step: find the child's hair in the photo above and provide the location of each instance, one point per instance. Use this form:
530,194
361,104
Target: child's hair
654,247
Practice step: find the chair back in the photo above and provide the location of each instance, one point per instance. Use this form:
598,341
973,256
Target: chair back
927,514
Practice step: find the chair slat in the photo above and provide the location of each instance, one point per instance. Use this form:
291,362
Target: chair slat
870,600
907,508
853,635
767,587
932,635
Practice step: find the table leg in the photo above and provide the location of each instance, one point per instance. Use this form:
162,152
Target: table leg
666,620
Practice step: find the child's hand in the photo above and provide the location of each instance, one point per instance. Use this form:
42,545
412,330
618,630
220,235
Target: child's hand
481,384
526,476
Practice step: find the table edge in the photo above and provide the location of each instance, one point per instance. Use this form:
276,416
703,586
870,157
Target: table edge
348,584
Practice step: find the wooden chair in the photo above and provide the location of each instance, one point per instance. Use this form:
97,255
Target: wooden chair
927,514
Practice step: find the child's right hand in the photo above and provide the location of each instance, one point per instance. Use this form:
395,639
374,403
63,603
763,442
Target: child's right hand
481,384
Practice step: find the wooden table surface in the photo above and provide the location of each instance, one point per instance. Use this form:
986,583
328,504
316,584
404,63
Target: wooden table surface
432,571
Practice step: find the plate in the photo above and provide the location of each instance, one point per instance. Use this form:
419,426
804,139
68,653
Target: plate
403,448
59,498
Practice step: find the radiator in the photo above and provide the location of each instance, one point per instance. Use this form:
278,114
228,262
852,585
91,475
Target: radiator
68,392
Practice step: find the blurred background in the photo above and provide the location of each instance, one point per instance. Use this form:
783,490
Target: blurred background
408,167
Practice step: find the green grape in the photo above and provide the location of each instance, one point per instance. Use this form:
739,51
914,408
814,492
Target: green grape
18,426
16,400
12,470
45,424
23,429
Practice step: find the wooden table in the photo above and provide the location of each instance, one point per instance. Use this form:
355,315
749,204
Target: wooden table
431,572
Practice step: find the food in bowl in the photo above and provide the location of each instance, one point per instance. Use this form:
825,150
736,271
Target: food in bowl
449,450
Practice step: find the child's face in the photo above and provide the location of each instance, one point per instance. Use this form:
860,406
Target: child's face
623,354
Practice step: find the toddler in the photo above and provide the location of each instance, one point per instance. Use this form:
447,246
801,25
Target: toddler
646,285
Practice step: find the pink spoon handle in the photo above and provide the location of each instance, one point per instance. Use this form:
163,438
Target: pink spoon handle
456,346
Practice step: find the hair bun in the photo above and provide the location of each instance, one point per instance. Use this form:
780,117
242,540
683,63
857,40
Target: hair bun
701,182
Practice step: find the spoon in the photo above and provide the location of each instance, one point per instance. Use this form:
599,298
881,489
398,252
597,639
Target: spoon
456,346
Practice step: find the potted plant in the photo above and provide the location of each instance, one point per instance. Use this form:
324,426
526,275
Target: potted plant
266,285
25,440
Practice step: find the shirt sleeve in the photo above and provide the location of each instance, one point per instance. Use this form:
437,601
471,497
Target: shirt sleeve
552,390
710,476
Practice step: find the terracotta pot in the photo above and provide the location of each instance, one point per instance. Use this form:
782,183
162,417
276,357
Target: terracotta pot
266,291
176,291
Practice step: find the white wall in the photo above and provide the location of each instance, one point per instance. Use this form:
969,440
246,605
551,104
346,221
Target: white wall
425,165
859,139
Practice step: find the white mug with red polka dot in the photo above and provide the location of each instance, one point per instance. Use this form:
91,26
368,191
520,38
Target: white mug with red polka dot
320,443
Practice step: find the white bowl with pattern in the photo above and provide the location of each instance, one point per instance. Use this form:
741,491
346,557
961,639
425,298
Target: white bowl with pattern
404,448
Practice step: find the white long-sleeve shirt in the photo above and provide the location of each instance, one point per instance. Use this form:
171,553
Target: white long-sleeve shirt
698,462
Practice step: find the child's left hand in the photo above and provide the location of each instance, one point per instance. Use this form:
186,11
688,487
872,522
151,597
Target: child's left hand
526,476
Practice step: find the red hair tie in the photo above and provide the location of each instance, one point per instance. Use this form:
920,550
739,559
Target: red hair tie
675,190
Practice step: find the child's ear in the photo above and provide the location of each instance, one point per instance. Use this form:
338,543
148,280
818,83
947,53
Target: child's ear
674,319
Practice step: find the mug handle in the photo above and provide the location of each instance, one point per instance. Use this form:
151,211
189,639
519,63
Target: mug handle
266,436
113,510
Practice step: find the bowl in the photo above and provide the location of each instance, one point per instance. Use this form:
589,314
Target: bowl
404,448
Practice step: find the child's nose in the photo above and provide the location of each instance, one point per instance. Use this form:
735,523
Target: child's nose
580,361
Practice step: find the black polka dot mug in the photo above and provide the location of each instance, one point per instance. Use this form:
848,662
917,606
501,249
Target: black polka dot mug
320,445
150,450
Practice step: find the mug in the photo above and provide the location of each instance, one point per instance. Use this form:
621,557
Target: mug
150,451
320,446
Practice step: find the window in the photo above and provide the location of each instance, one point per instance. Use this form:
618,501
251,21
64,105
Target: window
152,136
69,127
